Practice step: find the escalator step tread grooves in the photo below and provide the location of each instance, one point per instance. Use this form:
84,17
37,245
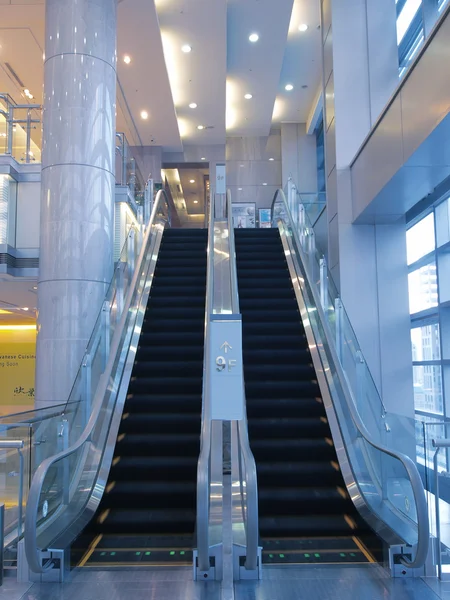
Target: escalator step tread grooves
301,489
151,489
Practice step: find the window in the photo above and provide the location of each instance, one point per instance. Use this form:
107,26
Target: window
428,257
410,33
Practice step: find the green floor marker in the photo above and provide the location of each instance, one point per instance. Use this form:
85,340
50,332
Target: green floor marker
342,554
113,553
182,553
307,555
281,555
270,555
102,553
138,553
317,555
352,554
172,553
147,553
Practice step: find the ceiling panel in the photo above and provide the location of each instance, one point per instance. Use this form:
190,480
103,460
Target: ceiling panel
254,68
198,76
144,81
301,65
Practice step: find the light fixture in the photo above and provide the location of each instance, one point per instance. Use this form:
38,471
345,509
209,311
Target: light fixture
289,87
303,27
186,48
144,114
239,189
200,127
195,201
191,180
25,308
271,159
264,183
248,96
28,94
253,37
34,287
192,105
203,158
127,59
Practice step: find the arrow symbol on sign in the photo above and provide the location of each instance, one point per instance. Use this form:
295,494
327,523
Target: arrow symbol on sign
225,346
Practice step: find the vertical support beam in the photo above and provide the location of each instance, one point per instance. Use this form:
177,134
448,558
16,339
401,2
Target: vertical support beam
323,284
77,186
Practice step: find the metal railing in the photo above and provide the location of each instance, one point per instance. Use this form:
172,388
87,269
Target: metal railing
71,476
204,460
19,124
359,443
246,460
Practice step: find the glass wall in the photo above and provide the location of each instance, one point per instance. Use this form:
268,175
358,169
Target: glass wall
428,256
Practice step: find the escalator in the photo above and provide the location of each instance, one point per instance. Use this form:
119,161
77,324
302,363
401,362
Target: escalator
305,513
148,511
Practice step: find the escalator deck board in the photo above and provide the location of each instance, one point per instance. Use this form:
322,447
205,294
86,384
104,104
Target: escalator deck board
317,551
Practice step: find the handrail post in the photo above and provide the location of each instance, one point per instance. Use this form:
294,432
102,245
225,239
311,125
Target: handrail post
323,283
10,129
130,252
86,387
21,476
436,508
28,137
338,312
106,312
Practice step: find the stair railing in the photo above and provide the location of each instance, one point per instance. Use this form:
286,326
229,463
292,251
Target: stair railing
373,475
66,483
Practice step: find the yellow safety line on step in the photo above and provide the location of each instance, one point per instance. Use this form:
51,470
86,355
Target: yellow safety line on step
329,441
102,518
342,492
110,487
323,419
121,436
334,465
115,461
364,550
90,551
125,416
350,522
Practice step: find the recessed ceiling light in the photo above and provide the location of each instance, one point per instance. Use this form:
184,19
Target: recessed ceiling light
144,114
195,201
25,308
127,59
239,189
186,48
200,127
192,105
264,183
34,287
191,180
203,158
253,37
303,27
248,96
271,159
28,94
289,87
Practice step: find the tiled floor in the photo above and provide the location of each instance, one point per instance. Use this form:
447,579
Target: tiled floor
279,583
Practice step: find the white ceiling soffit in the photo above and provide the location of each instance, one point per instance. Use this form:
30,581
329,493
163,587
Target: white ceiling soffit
301,65
143,84
21,49
197,76
254,68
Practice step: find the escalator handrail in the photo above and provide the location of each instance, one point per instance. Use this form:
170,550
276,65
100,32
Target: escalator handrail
203,465
251,517
37,482
409,465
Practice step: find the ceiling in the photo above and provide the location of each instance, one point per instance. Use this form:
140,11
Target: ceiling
18,298
222,66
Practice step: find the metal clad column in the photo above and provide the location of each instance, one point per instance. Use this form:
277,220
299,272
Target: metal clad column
77,199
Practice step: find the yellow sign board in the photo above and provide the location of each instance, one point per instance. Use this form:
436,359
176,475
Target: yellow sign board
17,367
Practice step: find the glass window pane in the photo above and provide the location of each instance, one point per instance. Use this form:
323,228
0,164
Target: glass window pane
423,292
442,223
420,239
406,16
425,343
428,389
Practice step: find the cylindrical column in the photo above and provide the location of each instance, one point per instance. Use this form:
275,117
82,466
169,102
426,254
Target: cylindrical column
77,201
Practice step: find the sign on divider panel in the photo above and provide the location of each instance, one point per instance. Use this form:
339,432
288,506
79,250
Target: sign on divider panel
226,378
